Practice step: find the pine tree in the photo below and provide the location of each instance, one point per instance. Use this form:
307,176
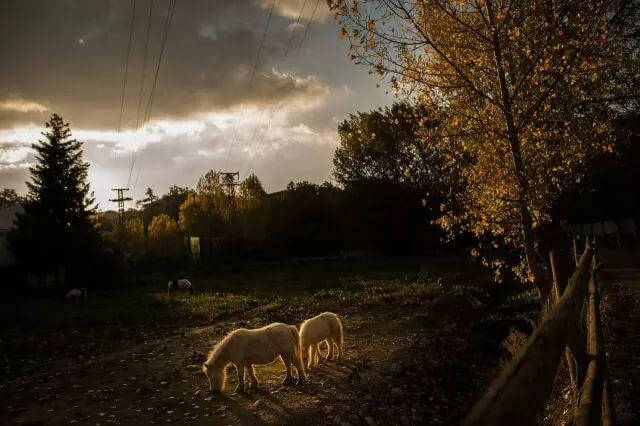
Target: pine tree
55,231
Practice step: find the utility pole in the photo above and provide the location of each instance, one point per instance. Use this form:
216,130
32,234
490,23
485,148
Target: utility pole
229,181
121,217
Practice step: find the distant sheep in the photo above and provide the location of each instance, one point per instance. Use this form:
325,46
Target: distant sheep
180,285
246,348
324,327
77,294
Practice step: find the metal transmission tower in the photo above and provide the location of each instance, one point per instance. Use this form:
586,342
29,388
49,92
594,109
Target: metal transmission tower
121,218
229,181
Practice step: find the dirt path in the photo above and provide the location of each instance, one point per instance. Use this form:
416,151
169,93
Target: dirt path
397,370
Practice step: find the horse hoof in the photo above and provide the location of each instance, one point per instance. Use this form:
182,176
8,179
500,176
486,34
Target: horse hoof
288,381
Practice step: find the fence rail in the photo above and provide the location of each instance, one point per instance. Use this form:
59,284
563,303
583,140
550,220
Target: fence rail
520,392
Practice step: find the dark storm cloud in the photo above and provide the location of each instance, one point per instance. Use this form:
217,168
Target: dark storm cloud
70,55
67,56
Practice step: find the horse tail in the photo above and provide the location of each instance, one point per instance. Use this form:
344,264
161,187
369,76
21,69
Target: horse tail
340,331
296,339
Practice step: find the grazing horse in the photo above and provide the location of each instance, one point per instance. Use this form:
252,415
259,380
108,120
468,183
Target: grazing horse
246,348
324,327
77,294
180,285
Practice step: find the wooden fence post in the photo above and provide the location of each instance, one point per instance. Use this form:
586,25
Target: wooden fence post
589,409
519,394
596,401
570,359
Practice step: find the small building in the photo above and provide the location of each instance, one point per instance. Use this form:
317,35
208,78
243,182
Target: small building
7,218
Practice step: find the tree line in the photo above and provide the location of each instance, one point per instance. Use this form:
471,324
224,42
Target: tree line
521,115
395,187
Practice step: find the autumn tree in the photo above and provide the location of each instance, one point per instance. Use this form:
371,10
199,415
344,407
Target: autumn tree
525,92
206,211
165,238
135,235
250,193
199,215
171,201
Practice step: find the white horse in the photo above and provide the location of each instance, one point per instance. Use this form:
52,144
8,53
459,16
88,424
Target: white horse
246,348
324,327
180,285
76,294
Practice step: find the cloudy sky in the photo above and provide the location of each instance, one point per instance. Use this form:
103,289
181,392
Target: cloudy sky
68,57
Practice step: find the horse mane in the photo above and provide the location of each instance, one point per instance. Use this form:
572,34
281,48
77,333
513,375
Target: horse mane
216,352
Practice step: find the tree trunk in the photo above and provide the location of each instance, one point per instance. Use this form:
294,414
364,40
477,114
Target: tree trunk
540,280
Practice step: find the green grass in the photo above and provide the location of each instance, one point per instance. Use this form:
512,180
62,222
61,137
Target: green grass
275,292
39,331
218,296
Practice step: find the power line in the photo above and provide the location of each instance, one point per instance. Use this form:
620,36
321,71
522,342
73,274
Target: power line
264,134
165,35
170,10
126,62
306,30
144,65
304,3
253,138
251,79
264,36
274,106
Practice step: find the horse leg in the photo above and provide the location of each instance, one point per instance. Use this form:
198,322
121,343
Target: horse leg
241,388
330,342
322,358
316,354
309,353
252,376
288,379
297,362
313,349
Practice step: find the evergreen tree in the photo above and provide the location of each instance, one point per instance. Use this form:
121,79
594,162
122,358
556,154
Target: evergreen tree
55,231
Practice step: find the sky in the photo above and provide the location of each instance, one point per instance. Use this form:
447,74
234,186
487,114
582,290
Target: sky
210,109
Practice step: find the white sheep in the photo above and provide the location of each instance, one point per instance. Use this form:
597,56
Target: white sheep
180,285
246,348
77,293
324,327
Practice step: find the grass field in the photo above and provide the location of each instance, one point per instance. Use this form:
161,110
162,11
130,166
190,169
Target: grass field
416,328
